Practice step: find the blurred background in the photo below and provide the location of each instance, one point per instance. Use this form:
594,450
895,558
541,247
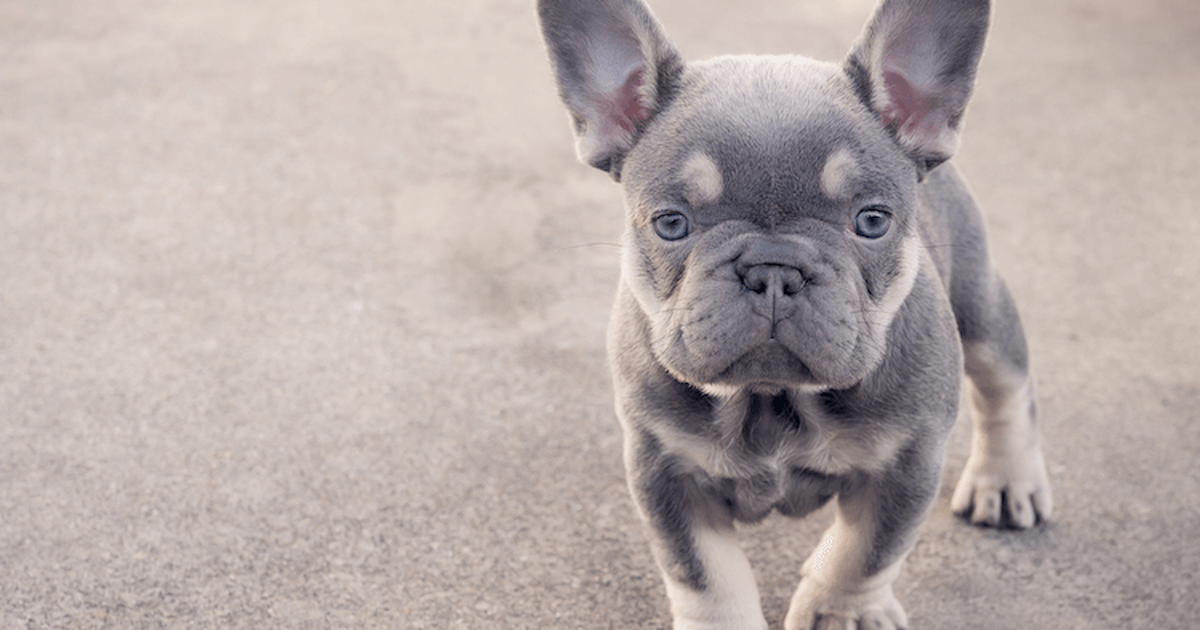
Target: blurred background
302,309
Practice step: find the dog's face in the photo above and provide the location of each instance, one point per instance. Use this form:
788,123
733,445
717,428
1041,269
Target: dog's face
771,234
772,231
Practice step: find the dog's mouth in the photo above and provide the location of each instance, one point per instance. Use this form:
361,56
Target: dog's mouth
768,367
765,357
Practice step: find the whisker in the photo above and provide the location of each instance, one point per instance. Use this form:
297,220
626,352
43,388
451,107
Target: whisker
586,245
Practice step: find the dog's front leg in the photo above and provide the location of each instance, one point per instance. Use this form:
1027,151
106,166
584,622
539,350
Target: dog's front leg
709,580
847,581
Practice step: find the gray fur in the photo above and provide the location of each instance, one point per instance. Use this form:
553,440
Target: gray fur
775,353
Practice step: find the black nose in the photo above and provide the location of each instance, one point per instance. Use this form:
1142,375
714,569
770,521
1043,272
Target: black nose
772,280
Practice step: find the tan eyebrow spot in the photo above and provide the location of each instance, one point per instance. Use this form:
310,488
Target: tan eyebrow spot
702,181
840,168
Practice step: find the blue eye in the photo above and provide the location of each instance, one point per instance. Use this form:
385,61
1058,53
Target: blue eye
872,222
671,226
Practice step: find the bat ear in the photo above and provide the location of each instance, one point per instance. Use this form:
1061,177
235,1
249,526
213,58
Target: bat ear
615,69
914,66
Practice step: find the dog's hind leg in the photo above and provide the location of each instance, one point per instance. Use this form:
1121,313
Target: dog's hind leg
1004,482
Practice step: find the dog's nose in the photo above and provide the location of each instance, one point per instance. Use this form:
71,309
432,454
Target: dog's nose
772,280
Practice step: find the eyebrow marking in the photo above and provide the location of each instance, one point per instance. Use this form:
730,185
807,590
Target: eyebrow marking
702,182
840,168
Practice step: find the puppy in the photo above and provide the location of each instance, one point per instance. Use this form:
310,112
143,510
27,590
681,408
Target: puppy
803,283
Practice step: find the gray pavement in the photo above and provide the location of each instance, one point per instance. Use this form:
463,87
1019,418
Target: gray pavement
302,306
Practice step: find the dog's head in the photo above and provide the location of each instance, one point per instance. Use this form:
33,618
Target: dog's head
772,228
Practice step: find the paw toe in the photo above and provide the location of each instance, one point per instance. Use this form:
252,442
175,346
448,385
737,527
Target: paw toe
1043,503
986,507
1020,510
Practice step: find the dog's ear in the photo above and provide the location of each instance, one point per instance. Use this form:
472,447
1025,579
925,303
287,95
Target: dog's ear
615,69
914,66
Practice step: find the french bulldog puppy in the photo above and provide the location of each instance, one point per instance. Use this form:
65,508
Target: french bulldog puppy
803,283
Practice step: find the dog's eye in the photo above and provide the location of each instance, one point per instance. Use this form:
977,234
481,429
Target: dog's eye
671,226
872,222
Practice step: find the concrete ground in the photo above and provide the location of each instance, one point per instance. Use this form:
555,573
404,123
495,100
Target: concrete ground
302,306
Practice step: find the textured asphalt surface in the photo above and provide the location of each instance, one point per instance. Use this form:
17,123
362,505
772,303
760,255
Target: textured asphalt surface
302,306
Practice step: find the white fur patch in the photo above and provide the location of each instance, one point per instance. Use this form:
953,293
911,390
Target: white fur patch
702,182
880,318
839,170
636,277
730,599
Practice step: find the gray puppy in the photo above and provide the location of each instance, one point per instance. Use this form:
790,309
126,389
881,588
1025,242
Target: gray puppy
802,287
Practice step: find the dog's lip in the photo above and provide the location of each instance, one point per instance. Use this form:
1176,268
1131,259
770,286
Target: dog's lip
792,370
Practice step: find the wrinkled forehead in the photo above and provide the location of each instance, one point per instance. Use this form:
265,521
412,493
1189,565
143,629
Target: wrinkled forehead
751,98
742,127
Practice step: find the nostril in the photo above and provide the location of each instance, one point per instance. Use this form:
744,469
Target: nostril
755,286
755,280
792,280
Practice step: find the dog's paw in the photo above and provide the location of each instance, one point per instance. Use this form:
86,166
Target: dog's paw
815,608
1000,490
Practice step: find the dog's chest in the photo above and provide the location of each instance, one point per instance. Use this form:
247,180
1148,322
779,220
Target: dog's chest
784,452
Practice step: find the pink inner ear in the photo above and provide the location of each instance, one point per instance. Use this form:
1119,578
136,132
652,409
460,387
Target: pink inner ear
626,108
906,106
